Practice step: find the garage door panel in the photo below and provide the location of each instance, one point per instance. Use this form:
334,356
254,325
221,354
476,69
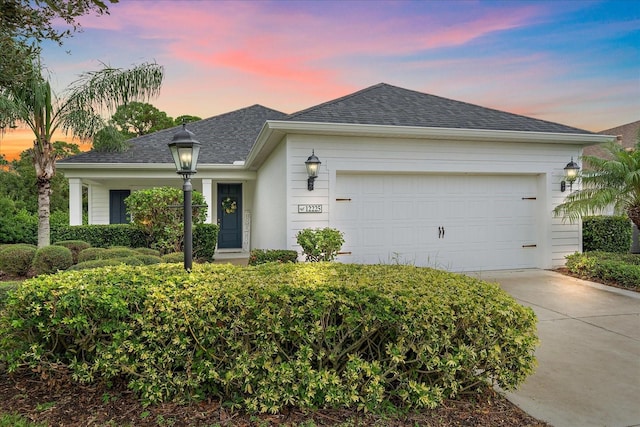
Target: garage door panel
403,237
403,210
396,218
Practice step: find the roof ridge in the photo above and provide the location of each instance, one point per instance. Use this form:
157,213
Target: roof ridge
334,101
228,113
621,126
483,107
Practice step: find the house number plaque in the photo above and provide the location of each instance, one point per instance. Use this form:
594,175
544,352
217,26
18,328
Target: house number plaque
309,208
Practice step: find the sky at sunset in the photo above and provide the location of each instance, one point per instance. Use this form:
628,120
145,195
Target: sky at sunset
573,62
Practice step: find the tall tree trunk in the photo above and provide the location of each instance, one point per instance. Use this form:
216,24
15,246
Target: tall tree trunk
44,160
44,197
634,214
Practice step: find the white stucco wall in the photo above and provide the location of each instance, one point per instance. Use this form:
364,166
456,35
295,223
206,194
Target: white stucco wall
271,202
341,154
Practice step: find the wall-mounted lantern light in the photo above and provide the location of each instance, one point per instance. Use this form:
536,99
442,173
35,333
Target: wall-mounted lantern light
312,165
185,150
570,175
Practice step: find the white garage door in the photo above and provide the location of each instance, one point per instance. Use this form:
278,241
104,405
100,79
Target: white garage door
453,222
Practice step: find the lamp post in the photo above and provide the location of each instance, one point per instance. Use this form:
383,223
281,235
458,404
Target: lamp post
185,149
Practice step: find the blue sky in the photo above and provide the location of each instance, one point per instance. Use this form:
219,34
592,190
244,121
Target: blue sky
572,62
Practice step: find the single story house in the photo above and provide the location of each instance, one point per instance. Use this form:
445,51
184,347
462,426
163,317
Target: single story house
408,177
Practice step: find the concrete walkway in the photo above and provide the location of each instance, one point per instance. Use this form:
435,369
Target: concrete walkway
589,358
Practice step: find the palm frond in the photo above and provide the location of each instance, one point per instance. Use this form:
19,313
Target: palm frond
110,87
607,183
9,112
82,123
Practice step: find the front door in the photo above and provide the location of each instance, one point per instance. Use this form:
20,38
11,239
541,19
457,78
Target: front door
117,208
230,216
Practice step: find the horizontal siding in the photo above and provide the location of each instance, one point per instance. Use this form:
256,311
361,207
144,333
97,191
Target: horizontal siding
99,205
391,155
268,219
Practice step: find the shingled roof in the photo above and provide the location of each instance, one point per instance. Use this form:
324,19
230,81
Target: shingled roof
229,137
384,104
225,139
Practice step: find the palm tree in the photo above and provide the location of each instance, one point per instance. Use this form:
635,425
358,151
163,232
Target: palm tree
609,182
33,103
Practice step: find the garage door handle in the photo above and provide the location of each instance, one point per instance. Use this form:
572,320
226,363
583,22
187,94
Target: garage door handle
440,232
529,246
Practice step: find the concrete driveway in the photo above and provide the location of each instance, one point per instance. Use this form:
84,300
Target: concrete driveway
589,358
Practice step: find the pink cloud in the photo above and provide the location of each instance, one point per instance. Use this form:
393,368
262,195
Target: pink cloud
290,55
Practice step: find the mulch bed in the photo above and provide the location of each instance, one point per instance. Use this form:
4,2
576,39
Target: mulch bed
61,402
566,272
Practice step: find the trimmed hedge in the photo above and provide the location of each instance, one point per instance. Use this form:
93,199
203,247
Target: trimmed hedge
276,335
103,236
52,258
173,257
205,237
621,269
149,259
76,246
95,263
148,251
91,254
606,233
17,259
120,253
262,256
205,240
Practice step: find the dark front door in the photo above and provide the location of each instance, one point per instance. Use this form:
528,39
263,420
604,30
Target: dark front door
117,208
230,216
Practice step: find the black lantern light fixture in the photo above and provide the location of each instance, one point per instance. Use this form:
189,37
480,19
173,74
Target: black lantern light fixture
185,150
570,175
312,164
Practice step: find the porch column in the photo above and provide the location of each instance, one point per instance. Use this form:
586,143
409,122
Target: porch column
208,198
75,201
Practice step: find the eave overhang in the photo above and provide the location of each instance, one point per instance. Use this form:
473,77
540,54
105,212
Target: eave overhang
274,130
150,170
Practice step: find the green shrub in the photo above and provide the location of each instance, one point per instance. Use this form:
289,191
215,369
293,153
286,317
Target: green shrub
130,260
19,227
120,253
262,256
103,236
17,259
148,259
91,254
320,244
205,239
75,246
276,335
617,268
5,288
95,263
152,212
173,257
606,233
148,251
51,259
